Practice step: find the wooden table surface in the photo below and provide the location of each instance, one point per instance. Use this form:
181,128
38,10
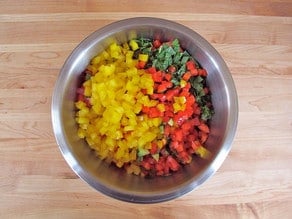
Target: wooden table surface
254,38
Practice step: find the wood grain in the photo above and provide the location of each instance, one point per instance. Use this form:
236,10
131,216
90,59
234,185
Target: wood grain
255,40
257,7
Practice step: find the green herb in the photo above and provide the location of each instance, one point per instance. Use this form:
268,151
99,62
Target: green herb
155,157
87,76
184,59
176,45
161,127
145,45
142,152
163,57
171,122
197,80
207,113
175,81
197,84
180,71
177,58
167,55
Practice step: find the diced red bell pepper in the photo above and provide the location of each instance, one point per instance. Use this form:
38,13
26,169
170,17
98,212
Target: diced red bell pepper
167,77
157,76
145,109
151,70
185,157
177,146
144,91
164,86
154,148
156,43
171,69
165,119
191,66
195,121
197,109
187,76
154,112
203,137
178,135
141,64
171,93
80,90
173,164
166,168
202,72
190,99
167,130
156,96
203,127
146,165
186,126
179,118
192,136
206,90
195,145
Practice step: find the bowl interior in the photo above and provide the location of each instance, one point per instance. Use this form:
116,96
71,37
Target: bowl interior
113,181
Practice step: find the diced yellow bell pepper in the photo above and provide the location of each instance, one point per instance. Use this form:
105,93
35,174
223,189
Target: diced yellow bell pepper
96,60
183,83
203,152
134,45
143,57
161,107
113,126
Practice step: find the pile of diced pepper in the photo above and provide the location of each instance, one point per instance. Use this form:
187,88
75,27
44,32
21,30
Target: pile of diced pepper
145,106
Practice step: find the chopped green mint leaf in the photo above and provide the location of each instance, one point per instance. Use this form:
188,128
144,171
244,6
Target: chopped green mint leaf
175,45
207,113
170,122
175,81
155,156
184,59
142,152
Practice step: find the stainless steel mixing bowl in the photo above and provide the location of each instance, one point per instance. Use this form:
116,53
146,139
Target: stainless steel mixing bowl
113,181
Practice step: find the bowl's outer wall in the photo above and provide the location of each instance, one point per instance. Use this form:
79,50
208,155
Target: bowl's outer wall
110,180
